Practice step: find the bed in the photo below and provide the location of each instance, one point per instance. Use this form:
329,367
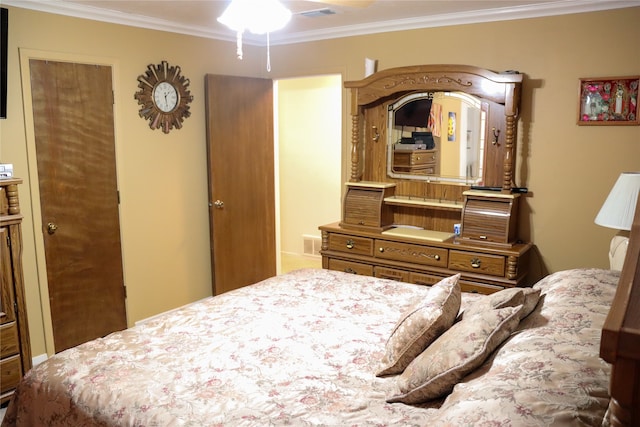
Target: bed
323,348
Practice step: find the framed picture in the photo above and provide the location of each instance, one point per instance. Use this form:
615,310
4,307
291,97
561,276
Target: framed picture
451,127
608,101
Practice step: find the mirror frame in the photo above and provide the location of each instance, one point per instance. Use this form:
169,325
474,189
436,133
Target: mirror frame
503,88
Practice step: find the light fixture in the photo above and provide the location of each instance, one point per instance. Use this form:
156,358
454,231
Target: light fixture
257,16
617,212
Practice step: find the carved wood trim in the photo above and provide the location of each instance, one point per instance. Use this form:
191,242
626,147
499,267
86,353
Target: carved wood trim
355,152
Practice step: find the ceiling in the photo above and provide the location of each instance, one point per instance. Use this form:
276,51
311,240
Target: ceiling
349,17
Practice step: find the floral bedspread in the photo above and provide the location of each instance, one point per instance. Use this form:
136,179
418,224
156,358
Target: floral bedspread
302,349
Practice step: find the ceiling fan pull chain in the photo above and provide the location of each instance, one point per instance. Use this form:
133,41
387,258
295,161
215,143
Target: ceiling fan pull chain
268,54
239,44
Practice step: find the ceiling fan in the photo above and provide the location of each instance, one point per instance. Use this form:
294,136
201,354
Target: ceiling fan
264,16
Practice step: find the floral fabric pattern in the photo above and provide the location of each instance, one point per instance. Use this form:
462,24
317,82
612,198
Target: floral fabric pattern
302,349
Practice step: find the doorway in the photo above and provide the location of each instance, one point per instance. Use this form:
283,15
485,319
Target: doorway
308,165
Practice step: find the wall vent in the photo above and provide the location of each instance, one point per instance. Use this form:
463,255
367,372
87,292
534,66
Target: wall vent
312,245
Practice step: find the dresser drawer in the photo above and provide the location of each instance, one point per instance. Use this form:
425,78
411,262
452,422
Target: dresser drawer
391,273
350,244
351,267
11,373
477,263
414,158
479,288
9,340
424,279
417,254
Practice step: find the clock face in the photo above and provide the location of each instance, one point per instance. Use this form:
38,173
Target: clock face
165,96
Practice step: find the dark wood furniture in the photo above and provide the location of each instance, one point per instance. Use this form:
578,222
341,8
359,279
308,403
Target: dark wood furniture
15,349
620,341
408,234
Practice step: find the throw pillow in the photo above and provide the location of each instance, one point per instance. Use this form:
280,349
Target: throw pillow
421,324
457,352
510,297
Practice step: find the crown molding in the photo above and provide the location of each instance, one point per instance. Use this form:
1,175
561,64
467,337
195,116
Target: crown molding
561,7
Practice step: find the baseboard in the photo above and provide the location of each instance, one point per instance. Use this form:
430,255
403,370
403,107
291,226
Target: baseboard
39,359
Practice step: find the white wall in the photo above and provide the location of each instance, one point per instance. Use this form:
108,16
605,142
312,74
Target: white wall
310,132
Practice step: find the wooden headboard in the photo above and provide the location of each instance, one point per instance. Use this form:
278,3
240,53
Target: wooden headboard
620,342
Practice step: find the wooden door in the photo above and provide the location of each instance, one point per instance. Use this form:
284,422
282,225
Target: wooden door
241,180
75,149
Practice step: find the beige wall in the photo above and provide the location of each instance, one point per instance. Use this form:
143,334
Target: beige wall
569,169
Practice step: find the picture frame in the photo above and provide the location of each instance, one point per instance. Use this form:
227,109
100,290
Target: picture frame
608,101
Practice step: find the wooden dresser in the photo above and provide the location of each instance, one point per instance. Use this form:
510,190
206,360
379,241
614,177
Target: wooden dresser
15,349
402,206
411,257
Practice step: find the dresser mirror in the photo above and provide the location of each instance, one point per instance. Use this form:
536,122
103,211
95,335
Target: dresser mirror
483,123
437,136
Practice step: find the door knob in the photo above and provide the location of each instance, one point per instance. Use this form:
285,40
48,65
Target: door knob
51,228
219,204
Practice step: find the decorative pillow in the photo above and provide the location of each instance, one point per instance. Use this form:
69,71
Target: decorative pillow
531,298
421,324
457,352
510,297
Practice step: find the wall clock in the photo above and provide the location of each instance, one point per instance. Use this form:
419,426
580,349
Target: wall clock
164,96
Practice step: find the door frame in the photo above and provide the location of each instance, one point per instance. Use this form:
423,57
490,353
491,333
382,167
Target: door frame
25,56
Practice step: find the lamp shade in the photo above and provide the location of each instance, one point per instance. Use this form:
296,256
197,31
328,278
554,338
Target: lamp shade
618,210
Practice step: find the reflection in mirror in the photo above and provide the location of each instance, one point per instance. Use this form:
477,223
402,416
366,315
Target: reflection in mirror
437,136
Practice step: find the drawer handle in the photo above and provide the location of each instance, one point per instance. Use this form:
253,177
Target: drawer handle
381,250
350,244
482,237
436,257
350,270
475,263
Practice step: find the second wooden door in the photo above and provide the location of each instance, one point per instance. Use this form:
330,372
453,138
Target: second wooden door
241,180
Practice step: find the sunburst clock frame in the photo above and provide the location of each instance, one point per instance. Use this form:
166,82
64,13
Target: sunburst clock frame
164,96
